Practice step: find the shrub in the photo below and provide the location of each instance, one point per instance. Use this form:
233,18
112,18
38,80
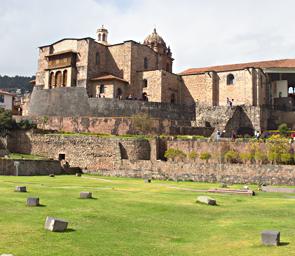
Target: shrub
275,151
246,157
286,158
205,156
26,124
232,156
192,155
259,157
277,138
283,129
273,157
174,154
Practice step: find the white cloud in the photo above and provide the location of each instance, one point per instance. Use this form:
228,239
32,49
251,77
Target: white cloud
200,32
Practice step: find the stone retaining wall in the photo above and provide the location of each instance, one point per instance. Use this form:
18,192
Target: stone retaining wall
139,158
74,102
80,151
31,167
226,173
115,125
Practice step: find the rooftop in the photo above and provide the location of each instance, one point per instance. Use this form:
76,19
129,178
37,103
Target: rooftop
285,63
108,78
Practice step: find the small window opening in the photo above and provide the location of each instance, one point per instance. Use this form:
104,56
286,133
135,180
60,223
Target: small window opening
230,80
145,83
61,157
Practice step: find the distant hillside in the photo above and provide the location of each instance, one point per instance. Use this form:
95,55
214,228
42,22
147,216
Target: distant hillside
17,82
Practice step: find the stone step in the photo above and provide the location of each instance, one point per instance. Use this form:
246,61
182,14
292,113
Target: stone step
232,191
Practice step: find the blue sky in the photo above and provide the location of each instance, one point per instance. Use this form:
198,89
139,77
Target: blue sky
200,32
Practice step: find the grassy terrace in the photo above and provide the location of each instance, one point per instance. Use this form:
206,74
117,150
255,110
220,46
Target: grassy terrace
130,217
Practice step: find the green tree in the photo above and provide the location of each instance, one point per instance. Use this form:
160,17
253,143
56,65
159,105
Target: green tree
283,129
6,121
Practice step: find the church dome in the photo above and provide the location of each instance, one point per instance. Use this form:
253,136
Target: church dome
154,40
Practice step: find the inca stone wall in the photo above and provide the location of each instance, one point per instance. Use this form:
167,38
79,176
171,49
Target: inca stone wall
73,102
116,125
140,158
231,119
31,167
225,173
88,152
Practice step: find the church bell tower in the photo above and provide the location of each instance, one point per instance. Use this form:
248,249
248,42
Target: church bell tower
102,35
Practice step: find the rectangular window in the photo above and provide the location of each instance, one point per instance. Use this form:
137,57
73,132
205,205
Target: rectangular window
1,98
101,89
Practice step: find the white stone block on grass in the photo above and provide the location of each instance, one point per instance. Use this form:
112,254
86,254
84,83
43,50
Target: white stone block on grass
55,225
206,200
21,189
33,201
270,237
85,195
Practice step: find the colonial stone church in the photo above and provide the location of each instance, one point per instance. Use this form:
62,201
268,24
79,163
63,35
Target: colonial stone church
144,71
110,70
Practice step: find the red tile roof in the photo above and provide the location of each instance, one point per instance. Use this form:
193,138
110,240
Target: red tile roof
108,77
286,63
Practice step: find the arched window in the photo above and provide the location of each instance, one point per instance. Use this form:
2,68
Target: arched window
101,89
291,90
172,100
103,37
65,78
146,63
58,79
145,83
99,37
97,59
230,79
51,80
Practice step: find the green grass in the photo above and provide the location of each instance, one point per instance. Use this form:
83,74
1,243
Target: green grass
17,156
130,217
101,135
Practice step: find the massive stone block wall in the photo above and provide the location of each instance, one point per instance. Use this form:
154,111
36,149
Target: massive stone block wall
114,125
88,152
32,167
139,158
74,102
231,119
224,173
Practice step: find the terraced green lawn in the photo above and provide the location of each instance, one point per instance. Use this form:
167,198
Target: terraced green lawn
130,217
